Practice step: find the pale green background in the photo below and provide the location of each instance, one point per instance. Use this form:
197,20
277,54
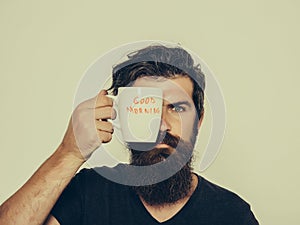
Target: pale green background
251,46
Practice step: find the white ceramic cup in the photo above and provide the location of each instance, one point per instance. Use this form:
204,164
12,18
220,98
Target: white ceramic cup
139,112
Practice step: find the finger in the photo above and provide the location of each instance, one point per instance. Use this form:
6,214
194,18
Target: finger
104,136
103,92
103,100
104,113
104,126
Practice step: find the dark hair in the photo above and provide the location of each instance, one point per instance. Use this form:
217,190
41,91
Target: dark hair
160,61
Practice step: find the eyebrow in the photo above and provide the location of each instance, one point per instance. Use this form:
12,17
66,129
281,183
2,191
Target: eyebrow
179,103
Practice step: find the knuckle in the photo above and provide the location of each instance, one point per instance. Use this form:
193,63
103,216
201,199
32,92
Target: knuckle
112,112
110,126
103,92
102,99
106,100
109,137
106,137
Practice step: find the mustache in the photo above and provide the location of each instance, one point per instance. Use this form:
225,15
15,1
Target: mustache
162,138
168,139
183,152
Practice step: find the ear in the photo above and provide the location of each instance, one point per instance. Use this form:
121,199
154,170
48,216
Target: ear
201,119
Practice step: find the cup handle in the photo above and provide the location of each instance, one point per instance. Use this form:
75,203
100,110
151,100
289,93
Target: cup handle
115,122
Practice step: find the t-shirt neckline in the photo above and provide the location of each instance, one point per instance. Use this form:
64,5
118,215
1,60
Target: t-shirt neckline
180,214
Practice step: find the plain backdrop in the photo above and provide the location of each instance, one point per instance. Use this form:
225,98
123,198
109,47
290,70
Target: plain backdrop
251,46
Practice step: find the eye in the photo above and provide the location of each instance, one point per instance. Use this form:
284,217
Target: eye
177,108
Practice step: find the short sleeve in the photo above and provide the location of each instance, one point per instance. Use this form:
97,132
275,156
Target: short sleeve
68,208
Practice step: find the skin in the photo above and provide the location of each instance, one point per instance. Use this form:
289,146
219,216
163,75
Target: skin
32,203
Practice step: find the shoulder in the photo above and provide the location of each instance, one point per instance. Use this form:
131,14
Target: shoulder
99,178
223,203
92,176
218,193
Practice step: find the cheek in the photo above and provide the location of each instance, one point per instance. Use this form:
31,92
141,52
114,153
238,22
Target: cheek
185,125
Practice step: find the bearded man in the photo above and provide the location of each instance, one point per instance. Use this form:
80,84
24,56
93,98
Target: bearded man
53,196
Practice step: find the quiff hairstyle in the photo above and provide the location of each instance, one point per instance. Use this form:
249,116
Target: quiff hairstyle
160,61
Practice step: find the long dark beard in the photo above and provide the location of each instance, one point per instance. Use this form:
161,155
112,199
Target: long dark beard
175,187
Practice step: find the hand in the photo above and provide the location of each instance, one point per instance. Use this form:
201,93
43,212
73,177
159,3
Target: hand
88,127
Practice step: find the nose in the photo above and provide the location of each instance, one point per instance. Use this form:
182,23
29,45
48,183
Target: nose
165,124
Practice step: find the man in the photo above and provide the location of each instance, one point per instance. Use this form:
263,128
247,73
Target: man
89,198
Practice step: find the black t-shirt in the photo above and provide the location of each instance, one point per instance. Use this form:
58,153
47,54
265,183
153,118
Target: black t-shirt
90,199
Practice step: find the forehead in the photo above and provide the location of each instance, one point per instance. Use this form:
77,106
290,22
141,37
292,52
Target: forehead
175,86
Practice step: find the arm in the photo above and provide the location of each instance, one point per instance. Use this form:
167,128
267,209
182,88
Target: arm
32,203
